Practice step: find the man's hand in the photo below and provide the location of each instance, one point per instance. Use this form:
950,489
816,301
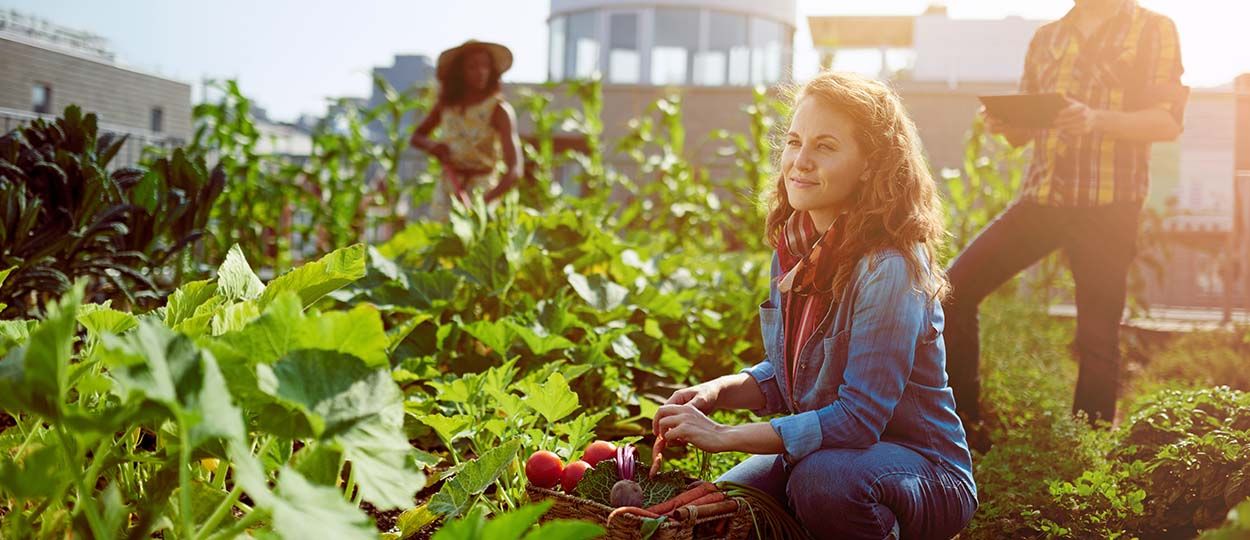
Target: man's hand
1078,118
995,126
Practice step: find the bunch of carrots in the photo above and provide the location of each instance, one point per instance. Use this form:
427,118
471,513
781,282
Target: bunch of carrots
699,498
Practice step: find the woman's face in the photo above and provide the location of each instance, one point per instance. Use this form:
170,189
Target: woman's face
477,68
822,163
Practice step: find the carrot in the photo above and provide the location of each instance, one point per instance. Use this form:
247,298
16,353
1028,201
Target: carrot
713,497
691,511
684,498
657,454
631,510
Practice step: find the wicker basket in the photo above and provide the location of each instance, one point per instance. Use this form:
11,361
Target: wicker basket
727,526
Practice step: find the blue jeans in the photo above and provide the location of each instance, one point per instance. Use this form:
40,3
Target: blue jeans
1100,244
864,493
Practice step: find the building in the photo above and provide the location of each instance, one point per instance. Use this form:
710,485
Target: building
709,53
406,72
931,47
45,67
673,43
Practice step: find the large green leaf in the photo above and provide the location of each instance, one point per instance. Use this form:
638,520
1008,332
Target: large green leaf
566,529
579,432
37,474
283,328
357,407
601,293
553,400
487,264
538,340
34,376
316,279
511,525
155,364
184,302
333,390
303,510
378,453
14,333
100,318
497,335
234,317
448,428
358,332
235,279
299,508
474,478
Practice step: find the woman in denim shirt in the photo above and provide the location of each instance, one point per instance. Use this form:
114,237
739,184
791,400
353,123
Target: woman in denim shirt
867,444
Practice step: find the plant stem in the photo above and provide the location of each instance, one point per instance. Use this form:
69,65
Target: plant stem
240,526
220,512
351,483
184,480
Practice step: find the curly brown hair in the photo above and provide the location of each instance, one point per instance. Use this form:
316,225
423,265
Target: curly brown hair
898,206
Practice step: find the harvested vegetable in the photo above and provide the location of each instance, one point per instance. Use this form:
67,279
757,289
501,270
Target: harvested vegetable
627,493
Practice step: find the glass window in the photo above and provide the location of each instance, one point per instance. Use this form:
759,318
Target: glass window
768,50
624,60
158,120
555,50
727,60
676,40
41,98
581,58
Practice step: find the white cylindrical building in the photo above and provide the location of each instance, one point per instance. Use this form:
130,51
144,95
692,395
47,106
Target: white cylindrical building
673,42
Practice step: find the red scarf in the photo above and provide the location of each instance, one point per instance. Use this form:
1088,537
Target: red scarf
808,262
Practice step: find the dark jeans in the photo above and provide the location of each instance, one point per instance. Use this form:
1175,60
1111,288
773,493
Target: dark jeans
1100,244
851,493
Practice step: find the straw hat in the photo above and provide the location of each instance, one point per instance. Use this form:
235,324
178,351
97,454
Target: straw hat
501,56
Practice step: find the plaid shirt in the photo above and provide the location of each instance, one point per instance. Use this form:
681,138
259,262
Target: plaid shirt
1132,62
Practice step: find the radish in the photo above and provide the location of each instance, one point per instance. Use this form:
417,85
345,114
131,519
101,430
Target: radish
544,469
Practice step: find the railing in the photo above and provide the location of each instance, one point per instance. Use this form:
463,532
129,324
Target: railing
130,153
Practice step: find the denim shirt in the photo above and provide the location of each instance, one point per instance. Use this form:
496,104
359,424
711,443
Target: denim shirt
874,371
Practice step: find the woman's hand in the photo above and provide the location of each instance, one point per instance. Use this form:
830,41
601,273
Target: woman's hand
441,152
702,396
686,424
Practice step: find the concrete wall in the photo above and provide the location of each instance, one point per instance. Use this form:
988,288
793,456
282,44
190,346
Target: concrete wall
119,96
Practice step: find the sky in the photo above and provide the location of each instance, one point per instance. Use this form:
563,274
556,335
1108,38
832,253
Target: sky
291,55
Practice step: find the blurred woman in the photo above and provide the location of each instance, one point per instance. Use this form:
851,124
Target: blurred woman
478,125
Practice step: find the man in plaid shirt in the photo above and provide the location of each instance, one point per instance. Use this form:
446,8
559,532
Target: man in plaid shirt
1119,65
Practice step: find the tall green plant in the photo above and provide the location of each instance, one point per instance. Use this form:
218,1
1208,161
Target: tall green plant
64,215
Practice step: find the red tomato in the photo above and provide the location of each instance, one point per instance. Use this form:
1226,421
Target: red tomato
599,451
573,474
544,469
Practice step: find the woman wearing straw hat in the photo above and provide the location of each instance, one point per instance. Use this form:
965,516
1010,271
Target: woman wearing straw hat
477,124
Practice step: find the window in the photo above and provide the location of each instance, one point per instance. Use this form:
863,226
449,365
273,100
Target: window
769,51
728,59
624,60
676,40
581,56
41,98
555,50
158,120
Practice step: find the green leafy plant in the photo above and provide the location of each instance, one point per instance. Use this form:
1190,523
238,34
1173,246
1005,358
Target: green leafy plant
64,215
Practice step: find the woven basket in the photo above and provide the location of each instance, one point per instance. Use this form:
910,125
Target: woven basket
727,526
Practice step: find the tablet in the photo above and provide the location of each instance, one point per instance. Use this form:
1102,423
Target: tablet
1030,111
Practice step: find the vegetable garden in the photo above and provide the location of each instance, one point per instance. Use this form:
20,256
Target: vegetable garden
436,384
